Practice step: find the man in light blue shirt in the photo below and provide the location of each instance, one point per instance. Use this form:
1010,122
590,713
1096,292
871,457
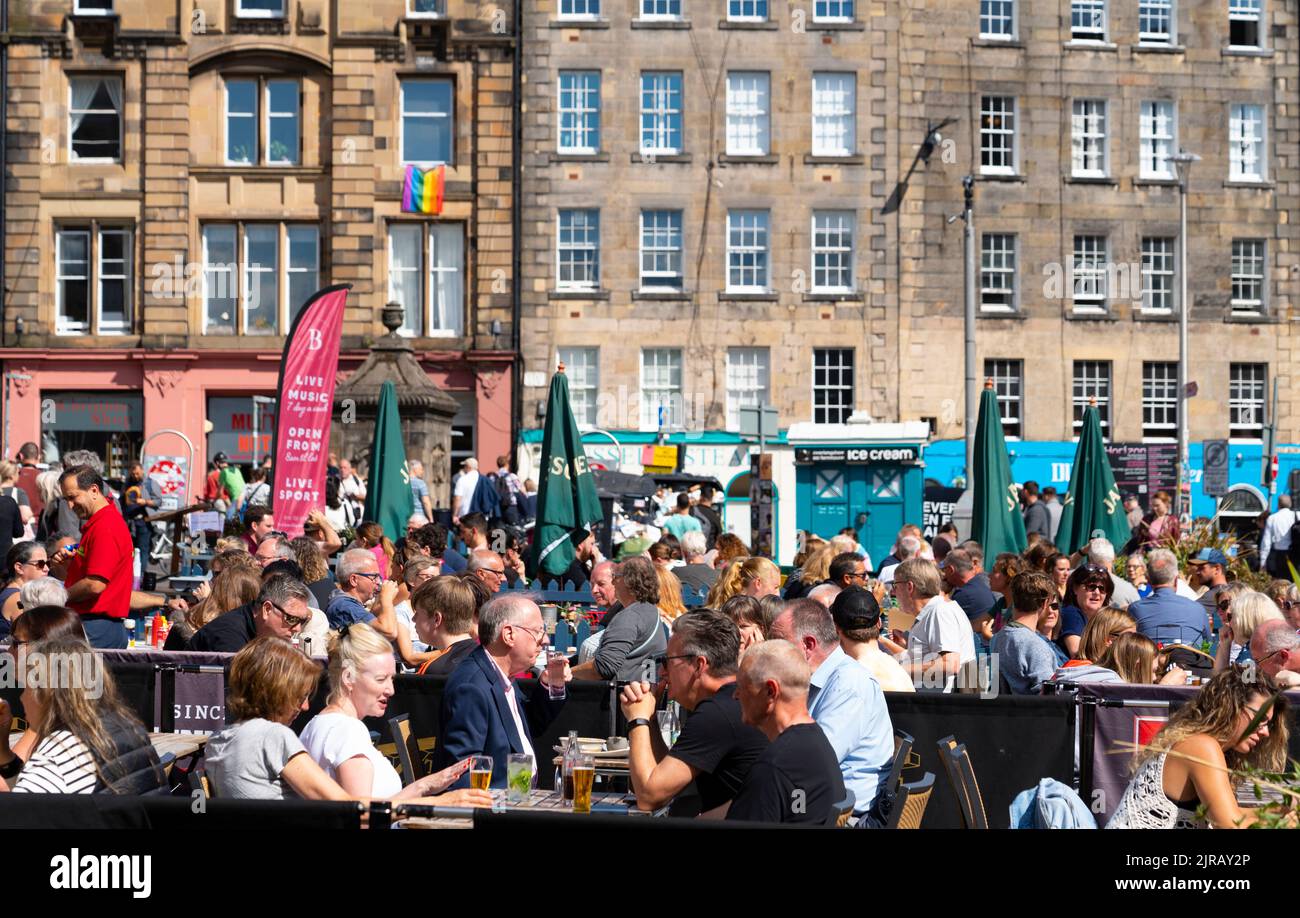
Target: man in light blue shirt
1164,616
845,700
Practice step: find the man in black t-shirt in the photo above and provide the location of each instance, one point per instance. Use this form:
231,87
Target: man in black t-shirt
715,748
797,778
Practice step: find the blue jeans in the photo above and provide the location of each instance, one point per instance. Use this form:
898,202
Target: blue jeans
105,633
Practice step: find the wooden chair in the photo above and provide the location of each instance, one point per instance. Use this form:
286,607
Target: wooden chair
407,752
956,762
910,804
844,809
902,749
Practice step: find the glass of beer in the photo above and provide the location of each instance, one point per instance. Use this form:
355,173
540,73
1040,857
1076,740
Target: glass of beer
480,772
584,776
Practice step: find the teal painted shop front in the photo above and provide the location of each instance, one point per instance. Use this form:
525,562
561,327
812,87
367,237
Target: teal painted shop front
875,489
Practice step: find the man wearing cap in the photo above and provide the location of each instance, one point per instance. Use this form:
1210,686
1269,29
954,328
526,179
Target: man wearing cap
857,621
1209,569
1134,511
846,702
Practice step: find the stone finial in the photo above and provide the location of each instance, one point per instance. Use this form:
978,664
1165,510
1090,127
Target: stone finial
392,315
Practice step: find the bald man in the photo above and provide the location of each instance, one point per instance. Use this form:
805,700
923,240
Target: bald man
797,777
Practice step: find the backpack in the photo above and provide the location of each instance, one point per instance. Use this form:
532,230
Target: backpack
1293,553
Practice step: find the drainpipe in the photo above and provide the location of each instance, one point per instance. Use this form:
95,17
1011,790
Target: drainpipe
517,221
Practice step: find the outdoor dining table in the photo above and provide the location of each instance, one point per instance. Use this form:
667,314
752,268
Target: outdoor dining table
538,800
169,746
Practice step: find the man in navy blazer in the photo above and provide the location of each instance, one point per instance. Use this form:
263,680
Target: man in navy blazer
483,711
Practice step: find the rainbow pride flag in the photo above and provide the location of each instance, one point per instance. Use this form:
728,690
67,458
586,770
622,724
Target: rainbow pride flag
422,190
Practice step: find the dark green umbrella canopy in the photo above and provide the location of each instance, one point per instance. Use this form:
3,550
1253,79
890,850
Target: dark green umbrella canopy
566,495
996,521
1093,502
388,490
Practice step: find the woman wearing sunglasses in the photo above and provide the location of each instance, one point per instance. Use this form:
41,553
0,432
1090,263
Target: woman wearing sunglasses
24,563
1087,592
1287,596
1242,610
1229,723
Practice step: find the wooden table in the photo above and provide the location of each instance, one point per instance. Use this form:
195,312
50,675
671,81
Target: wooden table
537,800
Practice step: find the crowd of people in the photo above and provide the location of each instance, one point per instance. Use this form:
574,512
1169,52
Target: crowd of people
782,678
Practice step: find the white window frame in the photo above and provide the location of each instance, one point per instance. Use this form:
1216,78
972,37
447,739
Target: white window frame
1090,34
290,270
1162,264
1159,399
661,281
238,274
246,270
62,325
1093,264
755,5
121,121
834,113
229,270
428,273
1169,10
1007,106
740,220
749,119
666,113
79,10
402,115
666,359
1259,256
1089,140
241,13
1247,11
822,10
1248,392
582,368
102,325
1093,385
439,13
582,92
394,271
839,366
838,223
749,381
991,16
1156,149
999,261
1008,375
654,16
590,10
593,283
1240,120
267,115
252,116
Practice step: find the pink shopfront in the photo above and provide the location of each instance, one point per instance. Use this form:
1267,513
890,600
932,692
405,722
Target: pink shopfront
222,401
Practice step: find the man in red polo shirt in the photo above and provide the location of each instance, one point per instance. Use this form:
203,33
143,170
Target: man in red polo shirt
100,570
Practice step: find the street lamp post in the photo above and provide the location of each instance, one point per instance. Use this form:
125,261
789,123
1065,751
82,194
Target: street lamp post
1183,163
972,288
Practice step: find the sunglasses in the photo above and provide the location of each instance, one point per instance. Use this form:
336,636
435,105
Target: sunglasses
40,565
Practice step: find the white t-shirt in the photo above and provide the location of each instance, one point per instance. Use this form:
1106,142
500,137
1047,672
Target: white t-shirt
406,616
465,486
886,573
352,487
331,739
888,671
942,627
60,764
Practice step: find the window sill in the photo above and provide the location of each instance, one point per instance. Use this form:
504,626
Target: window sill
849,298
1090,180
1158,318
1265,186
579,157
589,295
656,158
1155,183
999,43
852,159
1014,314
1081,44
661,23
578,24
1158,49
258,171
662,296
835,27
770,159
1258,318
770,25
259,25
1073,315
725,296
1001,177
1246,52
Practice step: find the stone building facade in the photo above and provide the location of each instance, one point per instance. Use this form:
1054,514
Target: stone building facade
182,176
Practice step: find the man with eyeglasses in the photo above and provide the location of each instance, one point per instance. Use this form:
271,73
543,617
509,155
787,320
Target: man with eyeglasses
847,569
1025,658
1275,647
488,567
358,581
280,610
486,712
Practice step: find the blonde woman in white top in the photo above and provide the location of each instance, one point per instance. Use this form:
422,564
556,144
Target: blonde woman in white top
361,671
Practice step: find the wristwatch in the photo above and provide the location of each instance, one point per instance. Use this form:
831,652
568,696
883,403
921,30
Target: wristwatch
637,722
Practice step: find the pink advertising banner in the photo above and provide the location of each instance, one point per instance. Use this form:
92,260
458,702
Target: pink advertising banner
305,408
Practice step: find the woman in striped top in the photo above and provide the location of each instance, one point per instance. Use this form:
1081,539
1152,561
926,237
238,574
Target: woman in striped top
86,740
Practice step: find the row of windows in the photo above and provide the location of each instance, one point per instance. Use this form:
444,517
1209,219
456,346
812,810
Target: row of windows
1091,130
263,120
1096,280
259,9
256,277
736,10
748,251
748,113
1091,380
1157,21
748,379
